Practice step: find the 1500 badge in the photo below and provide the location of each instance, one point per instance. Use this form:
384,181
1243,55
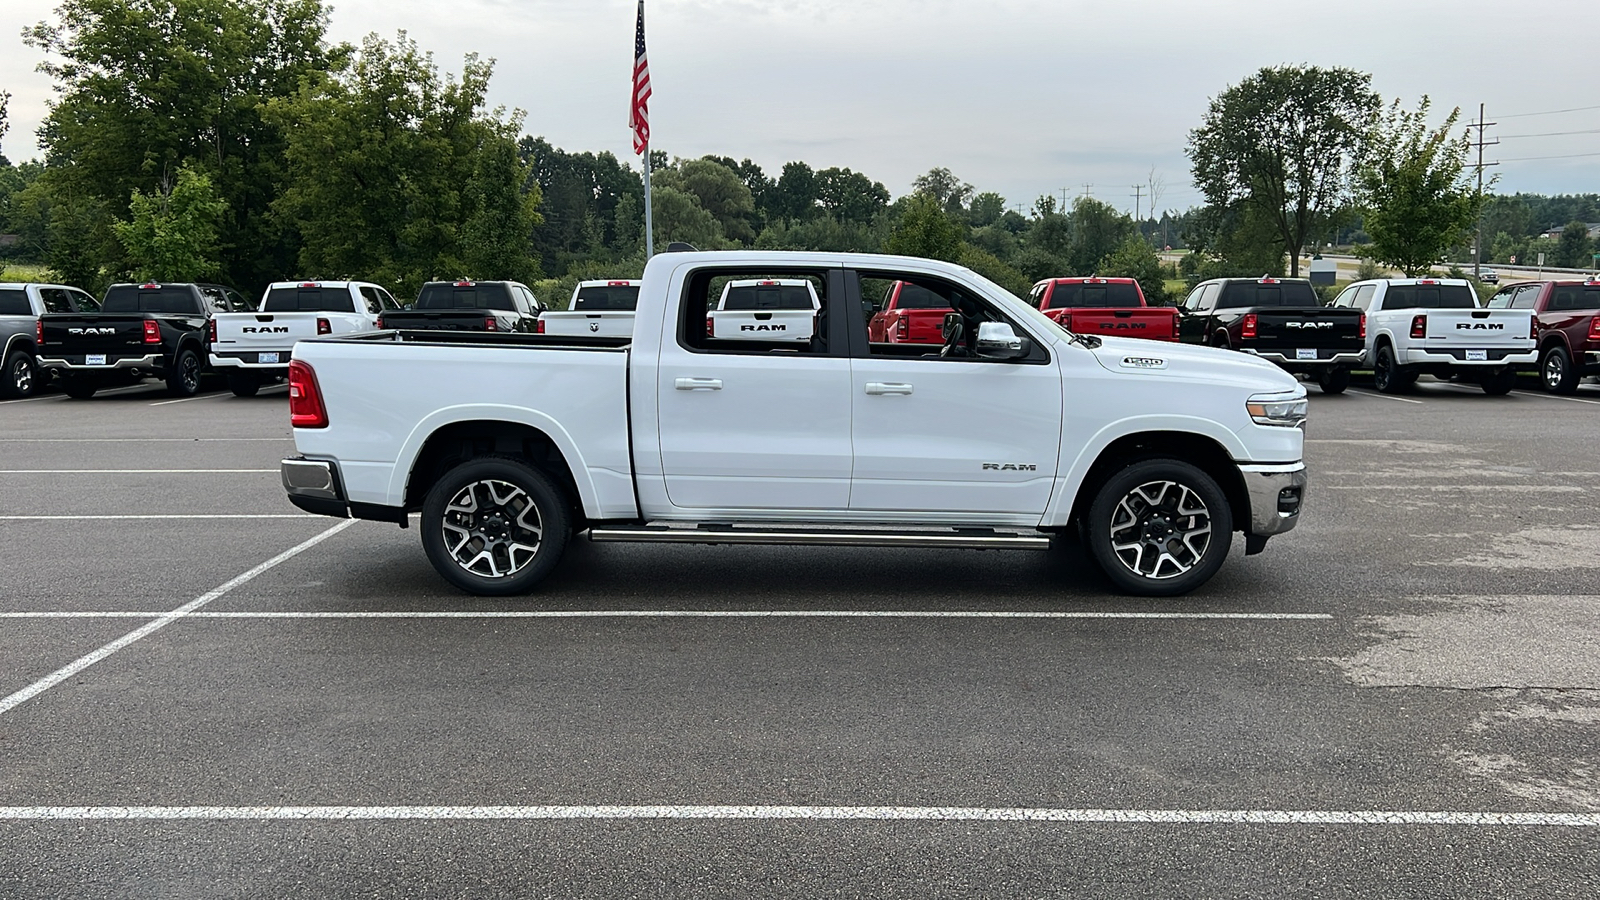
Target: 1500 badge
1143,362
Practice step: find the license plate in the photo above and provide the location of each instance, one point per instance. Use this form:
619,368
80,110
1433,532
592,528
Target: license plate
267,358
1303,353
95,359
1477,356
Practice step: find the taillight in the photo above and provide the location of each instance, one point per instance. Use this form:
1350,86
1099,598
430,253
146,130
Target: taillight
1247,329
538,326
378,324
902,328
1419,326
711,327
211,331
490,323
152,332
38,331
1363,326
324,326
305,397
1594,328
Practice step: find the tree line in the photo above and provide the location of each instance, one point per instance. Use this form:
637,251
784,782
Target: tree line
229,140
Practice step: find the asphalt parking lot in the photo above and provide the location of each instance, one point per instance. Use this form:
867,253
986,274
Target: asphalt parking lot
1399,699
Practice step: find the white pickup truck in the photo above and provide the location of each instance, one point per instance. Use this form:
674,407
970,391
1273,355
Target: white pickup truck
603,308
765,309
1433,326
1012,432
253,348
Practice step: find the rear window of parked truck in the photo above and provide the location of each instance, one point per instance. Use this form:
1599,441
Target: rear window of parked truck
14,303
317,299
1093,296
1293,294
1430,296
597,299
132,298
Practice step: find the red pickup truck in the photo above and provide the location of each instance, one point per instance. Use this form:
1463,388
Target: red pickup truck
909,314
1567,324
1104,306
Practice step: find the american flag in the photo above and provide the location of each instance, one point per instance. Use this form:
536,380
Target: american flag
639,109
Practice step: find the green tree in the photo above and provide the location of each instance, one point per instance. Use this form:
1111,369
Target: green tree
950,192
1415,197
591,206
925,230
1135,259
678,216
718,190
147,87
1094,230
796,193
986,209
1285,142
171,234
850,196
1573,247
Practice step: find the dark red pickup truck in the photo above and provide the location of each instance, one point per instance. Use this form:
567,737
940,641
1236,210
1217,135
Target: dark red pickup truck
1104,306
909,314
1567,324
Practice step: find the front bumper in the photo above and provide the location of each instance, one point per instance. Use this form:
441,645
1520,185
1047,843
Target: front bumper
314,485
1277,493
152,361
1351,360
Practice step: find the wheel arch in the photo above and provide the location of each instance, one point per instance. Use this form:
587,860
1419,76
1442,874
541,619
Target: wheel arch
1211,453
444,445
1555,338
19,341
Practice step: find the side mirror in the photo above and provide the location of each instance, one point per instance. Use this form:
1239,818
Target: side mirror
997,340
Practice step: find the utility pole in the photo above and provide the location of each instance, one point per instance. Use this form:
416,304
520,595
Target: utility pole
1477,238
1138,195
1088,189
1063,201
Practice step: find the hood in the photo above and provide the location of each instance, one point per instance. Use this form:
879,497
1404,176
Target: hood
1187,362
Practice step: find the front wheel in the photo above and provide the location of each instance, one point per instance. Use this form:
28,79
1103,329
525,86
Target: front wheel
1334,381
1557,372
1160,528
184,379
495,526
21,377
1499,382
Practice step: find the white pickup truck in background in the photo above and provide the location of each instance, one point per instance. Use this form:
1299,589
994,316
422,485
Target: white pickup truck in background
603,308
253,348
766,310
1433,326
1014,432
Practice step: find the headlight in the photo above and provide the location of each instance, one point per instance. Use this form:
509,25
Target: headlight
1283,413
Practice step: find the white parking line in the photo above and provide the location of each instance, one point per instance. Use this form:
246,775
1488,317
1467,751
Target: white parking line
187,399
1355,817
78,665
1383,396
1556,397
132,471
691,614
144,440
161,516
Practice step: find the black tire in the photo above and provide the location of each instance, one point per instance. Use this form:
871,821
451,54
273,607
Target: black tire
1160,505
1334,381
1387,376
1499,382
485,535
21,376
243,384
183,380
1556,372
78,387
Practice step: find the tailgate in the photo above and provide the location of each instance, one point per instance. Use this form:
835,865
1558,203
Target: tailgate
1478,329
1153,323
1294,331
752,325
614,323
264,331
111,334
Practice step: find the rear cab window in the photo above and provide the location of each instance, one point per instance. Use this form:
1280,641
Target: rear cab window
313,298
1290,294
1078,295
915,296
1429,296
164,298
465,295
608,298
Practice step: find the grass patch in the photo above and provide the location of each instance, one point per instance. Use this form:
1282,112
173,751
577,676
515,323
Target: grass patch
24,272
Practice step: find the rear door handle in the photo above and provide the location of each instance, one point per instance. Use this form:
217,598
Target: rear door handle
881,388
698,384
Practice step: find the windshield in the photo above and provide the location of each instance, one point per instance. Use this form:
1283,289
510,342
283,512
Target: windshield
166,298
595,299
1245,294
762,296
304,299
1093,296
444,295
1429,296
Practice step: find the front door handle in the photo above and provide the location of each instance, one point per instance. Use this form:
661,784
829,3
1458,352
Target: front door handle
698,384
882,388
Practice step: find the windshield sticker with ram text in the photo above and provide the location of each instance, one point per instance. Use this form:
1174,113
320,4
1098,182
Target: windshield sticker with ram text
1143,362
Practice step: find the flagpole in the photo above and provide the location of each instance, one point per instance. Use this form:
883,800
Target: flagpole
649,230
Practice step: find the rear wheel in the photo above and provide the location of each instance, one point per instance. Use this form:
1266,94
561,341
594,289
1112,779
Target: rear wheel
1499,382
78,387
1160,528
1557,372
21,376
243,384
1334,381
1387,375
184,379
495,526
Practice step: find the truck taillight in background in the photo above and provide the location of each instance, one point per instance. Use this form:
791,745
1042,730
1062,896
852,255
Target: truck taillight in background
1363,326
1419,326
711,327
490,323
378,324
324,326
38,331
152,332
306,409
1247,330
538,326
1594,327
211,331
902,328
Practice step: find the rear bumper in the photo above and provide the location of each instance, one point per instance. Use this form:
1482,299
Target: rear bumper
1349,359
1496,358
1276,493
314,485
247,360
152,361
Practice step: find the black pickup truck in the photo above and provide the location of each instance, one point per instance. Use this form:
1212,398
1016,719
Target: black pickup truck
142,331
468,306
1280,320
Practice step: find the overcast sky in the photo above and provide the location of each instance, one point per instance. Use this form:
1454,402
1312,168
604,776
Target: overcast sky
1023,97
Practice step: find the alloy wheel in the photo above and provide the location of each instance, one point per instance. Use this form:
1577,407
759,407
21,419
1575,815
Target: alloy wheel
22,377
1555,371
492,528
1160,530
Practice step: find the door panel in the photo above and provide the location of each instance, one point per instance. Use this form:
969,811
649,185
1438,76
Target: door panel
954,436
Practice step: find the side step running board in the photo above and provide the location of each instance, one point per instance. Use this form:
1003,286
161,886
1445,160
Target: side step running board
959,539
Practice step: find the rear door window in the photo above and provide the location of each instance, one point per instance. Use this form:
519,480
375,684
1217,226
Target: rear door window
55,300
1527,296
14,302
369,296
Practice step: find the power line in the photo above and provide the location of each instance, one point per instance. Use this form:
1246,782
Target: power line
1562,156
1550,134
1553,112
